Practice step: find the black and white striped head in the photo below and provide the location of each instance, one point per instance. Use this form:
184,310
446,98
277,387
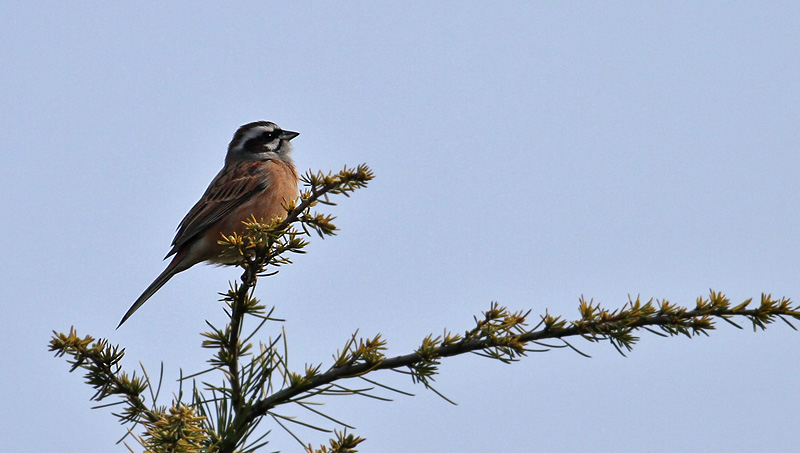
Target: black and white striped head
260,140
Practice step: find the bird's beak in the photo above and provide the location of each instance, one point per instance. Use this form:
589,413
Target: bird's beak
288,135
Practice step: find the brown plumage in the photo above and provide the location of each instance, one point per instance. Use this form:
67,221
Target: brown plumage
258,179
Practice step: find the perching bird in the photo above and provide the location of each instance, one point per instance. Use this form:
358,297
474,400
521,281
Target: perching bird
258,179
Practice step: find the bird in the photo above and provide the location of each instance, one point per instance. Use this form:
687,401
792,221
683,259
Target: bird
258,180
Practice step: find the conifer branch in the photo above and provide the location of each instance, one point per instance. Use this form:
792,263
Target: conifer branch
500,335
257,378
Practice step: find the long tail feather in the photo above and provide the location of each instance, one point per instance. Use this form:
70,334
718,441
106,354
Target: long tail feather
160,281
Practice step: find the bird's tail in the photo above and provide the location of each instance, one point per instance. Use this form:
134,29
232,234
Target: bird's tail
160,281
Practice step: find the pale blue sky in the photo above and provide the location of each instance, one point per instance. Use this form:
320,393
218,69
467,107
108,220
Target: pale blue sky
527,153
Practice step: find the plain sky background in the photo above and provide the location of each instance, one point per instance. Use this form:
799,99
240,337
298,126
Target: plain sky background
525,152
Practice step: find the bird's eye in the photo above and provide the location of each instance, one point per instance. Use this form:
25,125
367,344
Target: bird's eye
265,141
257,144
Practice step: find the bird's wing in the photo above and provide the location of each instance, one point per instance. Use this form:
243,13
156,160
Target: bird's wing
232,186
